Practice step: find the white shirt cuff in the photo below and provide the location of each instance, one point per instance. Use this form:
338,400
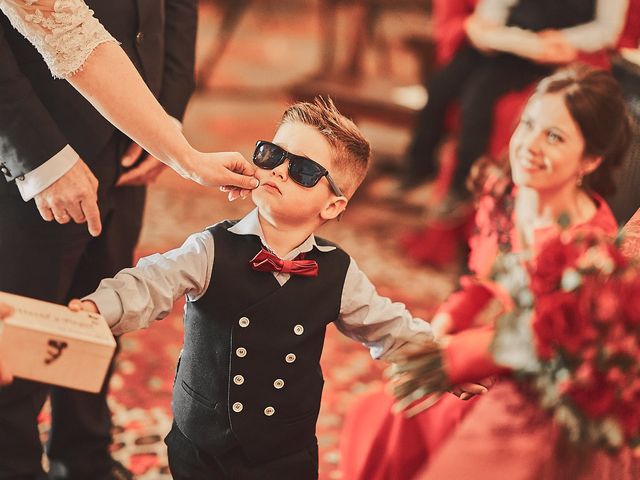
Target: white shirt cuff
50,171
109,305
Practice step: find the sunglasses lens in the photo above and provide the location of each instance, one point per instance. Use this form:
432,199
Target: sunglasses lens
305,172
267,156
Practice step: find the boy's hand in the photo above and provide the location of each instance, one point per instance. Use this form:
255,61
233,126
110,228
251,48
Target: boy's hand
77,305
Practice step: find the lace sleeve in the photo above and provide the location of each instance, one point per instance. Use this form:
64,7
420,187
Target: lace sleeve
64,32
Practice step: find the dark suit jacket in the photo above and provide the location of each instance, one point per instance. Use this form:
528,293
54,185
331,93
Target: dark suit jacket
40,115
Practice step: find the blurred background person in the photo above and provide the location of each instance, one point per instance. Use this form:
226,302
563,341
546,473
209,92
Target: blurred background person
509,45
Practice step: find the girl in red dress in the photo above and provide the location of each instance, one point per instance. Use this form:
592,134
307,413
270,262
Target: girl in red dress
572,133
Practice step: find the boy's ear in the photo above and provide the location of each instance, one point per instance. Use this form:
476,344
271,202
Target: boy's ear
334,208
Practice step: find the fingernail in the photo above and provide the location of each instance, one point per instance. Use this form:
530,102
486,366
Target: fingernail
255,182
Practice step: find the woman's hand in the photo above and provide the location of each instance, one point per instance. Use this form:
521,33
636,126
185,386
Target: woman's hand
228,169
466,391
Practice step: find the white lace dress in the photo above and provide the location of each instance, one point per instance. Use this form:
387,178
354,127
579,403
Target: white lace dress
65,32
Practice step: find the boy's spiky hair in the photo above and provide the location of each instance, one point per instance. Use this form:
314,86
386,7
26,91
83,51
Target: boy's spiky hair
351,151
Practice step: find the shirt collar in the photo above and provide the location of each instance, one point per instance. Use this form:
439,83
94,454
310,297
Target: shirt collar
250,225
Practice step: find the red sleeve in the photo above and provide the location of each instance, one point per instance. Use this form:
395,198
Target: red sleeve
465,304
467,358
448,32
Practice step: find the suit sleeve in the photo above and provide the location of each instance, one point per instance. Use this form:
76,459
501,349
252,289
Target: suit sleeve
181,17
28,135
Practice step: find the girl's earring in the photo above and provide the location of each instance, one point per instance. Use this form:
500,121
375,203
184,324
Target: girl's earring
579,180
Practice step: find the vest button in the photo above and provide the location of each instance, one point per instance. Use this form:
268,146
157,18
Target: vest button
290,358
237,407
278,383
244,322
241,352
298,329
139,37
269,411
238,379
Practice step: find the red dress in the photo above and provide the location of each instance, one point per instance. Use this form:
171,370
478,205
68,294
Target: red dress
378,445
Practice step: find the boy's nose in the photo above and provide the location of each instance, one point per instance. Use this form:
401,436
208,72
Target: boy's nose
281,170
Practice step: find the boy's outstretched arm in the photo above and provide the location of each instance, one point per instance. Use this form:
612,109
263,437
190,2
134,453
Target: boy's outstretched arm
137,296
385,327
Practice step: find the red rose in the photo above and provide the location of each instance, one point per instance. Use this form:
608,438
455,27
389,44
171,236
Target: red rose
606,300
595,399
559,322
628,415
550,263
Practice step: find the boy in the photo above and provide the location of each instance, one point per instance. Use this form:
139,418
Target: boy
260,293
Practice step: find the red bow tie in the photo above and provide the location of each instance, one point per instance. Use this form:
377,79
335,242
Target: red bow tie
265,261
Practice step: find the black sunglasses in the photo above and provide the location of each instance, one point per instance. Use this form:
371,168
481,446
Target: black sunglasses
302,170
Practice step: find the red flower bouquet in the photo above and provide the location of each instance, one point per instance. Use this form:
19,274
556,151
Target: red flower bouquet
572,336
586,333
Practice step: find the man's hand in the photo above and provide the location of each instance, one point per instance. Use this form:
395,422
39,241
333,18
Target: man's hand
145,172
74,196
77,305
5,373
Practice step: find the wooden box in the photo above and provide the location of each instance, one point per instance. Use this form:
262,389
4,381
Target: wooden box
49,343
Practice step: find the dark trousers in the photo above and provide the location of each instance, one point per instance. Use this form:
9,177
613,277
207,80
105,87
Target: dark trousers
186,462
56,262
476,81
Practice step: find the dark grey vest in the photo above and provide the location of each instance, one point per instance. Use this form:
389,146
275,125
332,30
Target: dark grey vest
249,373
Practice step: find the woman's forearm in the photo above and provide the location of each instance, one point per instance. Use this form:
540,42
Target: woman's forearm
489,36
110,82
